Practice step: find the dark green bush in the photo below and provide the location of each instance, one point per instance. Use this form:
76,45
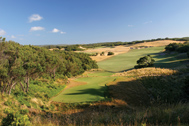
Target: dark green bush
102,53
16,119
181,48
110,53
172,47
146,61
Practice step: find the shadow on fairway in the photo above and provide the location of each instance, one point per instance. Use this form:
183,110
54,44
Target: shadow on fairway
91,91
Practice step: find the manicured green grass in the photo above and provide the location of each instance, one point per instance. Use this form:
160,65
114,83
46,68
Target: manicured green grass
99,73
92,91
128,60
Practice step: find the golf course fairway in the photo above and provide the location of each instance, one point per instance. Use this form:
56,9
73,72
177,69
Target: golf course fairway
92,89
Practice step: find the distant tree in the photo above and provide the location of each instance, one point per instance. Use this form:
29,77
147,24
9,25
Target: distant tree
110,53
146,61
102,53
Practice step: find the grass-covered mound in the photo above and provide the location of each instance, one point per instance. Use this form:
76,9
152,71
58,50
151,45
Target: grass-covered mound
164,85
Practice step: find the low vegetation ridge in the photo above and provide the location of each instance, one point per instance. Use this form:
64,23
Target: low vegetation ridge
110,44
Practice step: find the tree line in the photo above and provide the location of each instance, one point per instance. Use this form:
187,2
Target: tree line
109,44
21,63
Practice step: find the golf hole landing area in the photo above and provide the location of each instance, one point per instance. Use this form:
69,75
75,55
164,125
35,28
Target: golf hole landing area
92,90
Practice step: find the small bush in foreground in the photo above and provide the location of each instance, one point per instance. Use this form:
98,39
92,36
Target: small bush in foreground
16,118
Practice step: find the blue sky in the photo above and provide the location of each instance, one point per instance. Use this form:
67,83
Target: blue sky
39,22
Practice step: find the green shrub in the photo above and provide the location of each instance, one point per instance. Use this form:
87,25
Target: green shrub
110,53
15,119
172,47
52,107
24,111
102,54
146,61
8,102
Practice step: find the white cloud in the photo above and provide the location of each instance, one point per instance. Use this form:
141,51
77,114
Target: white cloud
37,28
147,22
62,32
55,30
35,17
2,32
130,25
12,36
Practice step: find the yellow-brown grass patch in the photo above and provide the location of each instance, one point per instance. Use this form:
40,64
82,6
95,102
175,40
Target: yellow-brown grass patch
74,83
116,50
156,43
147,72
37,101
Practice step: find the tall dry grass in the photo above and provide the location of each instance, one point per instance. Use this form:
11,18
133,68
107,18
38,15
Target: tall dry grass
147,72
99,115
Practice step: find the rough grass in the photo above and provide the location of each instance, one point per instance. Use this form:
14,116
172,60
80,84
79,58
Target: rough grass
152,71
104,115
156,43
